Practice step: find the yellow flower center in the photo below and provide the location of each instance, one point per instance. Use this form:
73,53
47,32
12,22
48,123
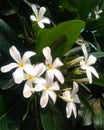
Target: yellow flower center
29,77
50,67
47,87
21,64
38,19
86,63
71,99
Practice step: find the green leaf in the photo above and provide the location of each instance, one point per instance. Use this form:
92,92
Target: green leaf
49,120
4,124
93,24
84,100
66,4
6,84
99,81
85,116
3,121
54,120
60,38
83,8
98,54
7,12
4,46
8,33
94,3
12,109
98,117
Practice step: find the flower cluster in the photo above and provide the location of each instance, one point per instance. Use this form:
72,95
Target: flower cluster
32,74
47,77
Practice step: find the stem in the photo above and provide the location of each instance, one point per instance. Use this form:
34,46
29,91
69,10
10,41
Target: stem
37,113
97,44
72,51
54,25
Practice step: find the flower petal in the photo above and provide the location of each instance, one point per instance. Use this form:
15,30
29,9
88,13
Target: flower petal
29,69
57,63
85,51
44,99
100,11
54,86
89,76
76,99
91,60
39,87
73,107
39,80
18,76
69,109
58,75
42,12
93,71
33,18
82,65
47,54
75,89
27,90
34,8
15,54
8,67
27,55
49,78
45,20
97,16
66,96
41,25
39,69
53,96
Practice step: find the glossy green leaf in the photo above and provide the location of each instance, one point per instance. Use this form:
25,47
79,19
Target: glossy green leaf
4,46
8,33
52,119
49,120
61,37
83,8
3,121
12,109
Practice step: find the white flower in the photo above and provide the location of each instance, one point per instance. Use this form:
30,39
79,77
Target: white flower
48,91
39,16
21,64
86,64
52,68
33,78
71,98
97,12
